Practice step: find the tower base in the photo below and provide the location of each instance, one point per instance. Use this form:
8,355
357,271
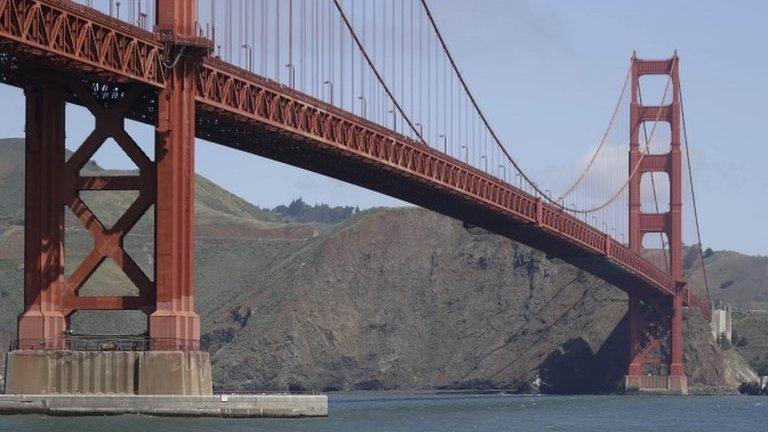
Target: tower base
182,373
240,406
656,384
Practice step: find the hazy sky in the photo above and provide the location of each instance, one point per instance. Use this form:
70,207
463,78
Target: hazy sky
548,73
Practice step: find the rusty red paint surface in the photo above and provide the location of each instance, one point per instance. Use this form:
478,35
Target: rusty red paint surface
646,325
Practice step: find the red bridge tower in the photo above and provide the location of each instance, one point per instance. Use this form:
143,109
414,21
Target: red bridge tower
170,360
656,322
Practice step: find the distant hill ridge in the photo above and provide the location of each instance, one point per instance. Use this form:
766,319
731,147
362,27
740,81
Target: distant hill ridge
211,199
215,207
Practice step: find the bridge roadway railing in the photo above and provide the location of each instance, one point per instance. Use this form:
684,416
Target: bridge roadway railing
71,31
104,343
97,44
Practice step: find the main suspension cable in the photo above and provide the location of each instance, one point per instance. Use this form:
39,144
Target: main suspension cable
600,146
474,103
635,169
376,71
495,137
693,191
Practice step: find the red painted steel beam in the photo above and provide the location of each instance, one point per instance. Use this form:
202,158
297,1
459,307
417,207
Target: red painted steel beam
655,163
655,67
111,183
652,113
174,317
108,242
42,318
51,184
83,38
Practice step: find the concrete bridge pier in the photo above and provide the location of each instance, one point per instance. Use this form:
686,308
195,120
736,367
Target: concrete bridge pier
108,372
655,348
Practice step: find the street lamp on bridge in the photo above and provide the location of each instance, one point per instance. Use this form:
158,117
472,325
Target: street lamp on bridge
248,56
330,87
421,131
291,74
363,106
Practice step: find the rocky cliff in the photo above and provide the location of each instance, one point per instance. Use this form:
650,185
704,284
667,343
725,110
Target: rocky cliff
407,299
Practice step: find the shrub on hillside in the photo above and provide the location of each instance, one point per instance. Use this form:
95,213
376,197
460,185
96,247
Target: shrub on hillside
300,211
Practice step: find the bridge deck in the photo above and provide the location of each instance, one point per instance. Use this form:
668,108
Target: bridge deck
247,112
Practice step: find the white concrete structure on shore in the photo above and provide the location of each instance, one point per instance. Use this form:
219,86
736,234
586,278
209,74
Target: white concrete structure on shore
245,406
163,383
722,323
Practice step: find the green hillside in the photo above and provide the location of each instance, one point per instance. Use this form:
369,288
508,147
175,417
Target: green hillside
212,202
738,279
11,179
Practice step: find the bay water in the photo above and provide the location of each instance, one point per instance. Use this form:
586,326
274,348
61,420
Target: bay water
457,412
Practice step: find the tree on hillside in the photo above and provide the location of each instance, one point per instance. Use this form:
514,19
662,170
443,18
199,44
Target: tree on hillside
300,211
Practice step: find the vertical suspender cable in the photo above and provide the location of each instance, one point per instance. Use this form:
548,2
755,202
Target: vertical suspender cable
318,82
384,69
421,70
290,65
394,74
445,110
277,41
428,120
352,63
374,70
402,54
374,99
474,103
239,41
693,192
304,46
363,89
331,52
341,65
213,24
264,7
413,80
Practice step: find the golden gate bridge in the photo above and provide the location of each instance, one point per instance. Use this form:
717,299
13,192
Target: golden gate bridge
364,91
